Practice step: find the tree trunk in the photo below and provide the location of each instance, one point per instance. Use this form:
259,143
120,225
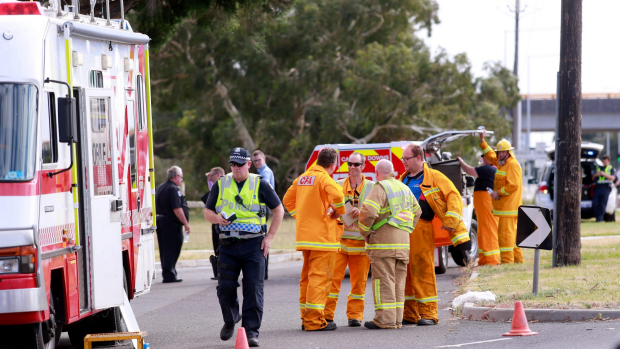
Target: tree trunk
568,155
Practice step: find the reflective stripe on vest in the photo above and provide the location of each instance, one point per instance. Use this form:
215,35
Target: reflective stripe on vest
355,234
401,205
247,220
607,171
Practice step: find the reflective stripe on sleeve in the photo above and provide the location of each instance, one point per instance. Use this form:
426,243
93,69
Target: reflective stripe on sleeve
454,214
504,192
501,173
364,228
373,205
459,237
486,150
504,213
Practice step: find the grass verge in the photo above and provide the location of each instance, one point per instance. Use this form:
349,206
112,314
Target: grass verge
592,285
591,228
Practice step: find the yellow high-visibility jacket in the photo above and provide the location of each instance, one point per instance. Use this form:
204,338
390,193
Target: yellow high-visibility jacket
508,183
445,201
307,200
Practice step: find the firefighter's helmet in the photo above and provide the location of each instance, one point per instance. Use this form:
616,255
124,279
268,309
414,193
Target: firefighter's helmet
504,145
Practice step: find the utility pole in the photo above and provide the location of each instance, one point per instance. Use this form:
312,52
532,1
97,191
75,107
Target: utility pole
516,117
568,133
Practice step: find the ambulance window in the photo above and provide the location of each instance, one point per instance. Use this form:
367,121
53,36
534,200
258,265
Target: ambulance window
48,131
141,111
96,79
131,134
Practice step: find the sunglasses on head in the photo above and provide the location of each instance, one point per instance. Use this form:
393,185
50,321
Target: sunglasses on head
234,164
355,164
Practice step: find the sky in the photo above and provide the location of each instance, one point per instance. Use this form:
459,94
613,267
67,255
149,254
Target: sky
485,31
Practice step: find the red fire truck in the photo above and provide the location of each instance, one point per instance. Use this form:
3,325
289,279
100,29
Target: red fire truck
76,173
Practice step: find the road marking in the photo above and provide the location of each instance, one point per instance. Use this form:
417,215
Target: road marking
460,345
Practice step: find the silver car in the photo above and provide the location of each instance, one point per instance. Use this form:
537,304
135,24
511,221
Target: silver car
589,162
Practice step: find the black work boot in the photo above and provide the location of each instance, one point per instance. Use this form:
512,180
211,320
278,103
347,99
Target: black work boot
330,327
425,322
371,325
354,323
227,332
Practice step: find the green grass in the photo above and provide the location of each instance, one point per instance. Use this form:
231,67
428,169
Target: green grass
200,237
591,228
592,285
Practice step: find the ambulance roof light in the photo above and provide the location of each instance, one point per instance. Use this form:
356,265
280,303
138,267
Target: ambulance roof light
20,8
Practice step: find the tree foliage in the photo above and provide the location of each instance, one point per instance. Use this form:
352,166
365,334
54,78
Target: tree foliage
324,71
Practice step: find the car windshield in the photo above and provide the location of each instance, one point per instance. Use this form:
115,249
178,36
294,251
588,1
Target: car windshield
18,131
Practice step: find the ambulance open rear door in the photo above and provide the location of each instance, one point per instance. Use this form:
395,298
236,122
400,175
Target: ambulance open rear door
102,198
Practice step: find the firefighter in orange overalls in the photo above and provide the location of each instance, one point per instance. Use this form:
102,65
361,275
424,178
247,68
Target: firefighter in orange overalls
316,202
506,197
437,196
488,243
352,246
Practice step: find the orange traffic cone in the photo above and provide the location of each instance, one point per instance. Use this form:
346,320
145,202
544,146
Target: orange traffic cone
242,339
519,323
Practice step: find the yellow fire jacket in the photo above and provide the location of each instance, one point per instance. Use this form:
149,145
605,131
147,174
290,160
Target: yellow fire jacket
387,241
508,183
307,200
445,201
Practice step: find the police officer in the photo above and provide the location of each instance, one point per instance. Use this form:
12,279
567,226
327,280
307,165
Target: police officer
604,179
172,215
237,203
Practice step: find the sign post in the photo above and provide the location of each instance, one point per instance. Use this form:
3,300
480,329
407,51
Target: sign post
534,231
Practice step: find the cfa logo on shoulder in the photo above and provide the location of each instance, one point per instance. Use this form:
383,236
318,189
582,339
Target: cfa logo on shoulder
306,180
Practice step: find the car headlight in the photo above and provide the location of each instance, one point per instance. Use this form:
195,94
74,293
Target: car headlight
9,265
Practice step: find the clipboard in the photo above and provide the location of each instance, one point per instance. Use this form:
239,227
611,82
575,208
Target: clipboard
348,220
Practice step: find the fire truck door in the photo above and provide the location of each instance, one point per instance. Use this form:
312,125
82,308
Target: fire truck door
103,204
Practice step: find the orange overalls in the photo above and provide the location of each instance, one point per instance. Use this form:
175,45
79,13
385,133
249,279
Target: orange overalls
353,254
318,237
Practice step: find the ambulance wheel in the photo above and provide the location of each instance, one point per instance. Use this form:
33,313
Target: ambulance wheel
461,258
443,260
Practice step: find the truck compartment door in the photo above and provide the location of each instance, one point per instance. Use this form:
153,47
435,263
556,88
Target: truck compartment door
103,205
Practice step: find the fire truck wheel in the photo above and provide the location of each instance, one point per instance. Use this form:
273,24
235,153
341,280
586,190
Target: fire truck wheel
106,321
443,261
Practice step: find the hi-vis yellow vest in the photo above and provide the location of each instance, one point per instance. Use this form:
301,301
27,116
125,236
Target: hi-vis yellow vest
401,206
248,209
602,179
355,234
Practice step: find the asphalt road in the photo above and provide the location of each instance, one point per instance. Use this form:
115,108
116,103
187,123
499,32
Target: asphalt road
187,315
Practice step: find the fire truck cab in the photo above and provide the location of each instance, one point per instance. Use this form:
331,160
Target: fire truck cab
438,160
76,174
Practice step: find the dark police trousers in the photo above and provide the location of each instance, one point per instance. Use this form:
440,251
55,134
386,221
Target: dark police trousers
241,255
599,201
170,241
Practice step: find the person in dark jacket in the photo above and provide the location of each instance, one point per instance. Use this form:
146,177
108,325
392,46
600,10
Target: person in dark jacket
172,216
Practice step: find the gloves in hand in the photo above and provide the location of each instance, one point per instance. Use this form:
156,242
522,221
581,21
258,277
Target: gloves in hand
465,246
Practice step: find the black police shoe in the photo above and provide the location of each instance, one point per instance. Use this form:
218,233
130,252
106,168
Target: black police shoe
170,281
253,342
371,325
303,328
425,322
330,327
227,332
354,323
405,322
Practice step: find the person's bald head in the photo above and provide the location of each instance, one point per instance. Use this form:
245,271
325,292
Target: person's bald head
383,168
